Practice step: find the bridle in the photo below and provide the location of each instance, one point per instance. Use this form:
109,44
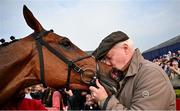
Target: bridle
70,63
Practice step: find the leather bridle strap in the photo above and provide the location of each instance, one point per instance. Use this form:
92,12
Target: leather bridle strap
39,46
40,52
70,64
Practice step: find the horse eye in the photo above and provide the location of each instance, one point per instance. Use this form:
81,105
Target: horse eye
65,43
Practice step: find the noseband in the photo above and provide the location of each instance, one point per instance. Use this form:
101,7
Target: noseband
70,64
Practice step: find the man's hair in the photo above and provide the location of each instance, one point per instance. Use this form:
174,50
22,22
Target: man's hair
129,42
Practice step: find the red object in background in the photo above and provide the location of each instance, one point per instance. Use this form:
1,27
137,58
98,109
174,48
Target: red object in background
31,104
26,104
177,103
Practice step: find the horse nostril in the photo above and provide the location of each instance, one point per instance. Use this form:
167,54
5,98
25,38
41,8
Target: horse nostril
2,41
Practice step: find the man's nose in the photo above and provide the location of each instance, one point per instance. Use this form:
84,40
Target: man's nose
108,62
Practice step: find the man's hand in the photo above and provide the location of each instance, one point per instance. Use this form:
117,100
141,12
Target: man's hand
99,94
68,92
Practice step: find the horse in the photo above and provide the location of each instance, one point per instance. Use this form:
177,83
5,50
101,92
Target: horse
43,57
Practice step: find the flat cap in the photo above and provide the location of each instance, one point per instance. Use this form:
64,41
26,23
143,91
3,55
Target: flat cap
108,42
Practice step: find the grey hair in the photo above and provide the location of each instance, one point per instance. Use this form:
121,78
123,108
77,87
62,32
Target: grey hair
129,42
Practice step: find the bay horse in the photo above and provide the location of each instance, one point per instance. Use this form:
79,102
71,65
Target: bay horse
43,57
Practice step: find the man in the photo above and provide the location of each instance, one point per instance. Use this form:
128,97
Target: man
142,85
174,72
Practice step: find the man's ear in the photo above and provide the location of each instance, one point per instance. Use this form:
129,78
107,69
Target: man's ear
126,48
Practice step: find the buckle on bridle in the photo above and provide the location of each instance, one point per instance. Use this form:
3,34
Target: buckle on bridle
77,69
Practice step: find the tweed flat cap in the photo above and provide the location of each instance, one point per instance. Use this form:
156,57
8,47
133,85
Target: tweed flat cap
108,42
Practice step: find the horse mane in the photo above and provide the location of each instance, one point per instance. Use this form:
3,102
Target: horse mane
8,43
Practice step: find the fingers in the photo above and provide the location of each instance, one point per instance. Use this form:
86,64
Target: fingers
96,91
93,94
98,84
98,94
93,89
69,92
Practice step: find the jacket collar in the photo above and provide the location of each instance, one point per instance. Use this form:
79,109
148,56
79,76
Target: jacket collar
135,63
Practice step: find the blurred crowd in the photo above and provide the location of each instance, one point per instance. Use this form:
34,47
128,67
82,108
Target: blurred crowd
170,63
61,99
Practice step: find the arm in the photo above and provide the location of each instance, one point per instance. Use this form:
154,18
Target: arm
158,89
56,100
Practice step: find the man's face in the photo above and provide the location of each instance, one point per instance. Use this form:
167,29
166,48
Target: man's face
117,57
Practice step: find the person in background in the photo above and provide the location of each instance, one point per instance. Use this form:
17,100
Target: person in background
175,72
178,53
178,57
141,84
76,99
56,100
47,96
90,104
52,99
38,91
27,93
20,102
67,103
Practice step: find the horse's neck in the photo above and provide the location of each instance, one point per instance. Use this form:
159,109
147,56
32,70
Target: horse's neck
15,69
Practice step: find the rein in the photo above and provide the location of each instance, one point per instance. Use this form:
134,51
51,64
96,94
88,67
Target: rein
70,64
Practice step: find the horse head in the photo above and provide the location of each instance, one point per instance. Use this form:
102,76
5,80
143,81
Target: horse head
60,55
43,57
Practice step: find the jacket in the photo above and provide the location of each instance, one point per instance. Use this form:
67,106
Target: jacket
145,87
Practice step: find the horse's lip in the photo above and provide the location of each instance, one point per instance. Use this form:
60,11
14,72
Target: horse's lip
79,86
113,72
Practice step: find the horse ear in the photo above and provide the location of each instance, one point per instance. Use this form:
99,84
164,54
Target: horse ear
31,20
